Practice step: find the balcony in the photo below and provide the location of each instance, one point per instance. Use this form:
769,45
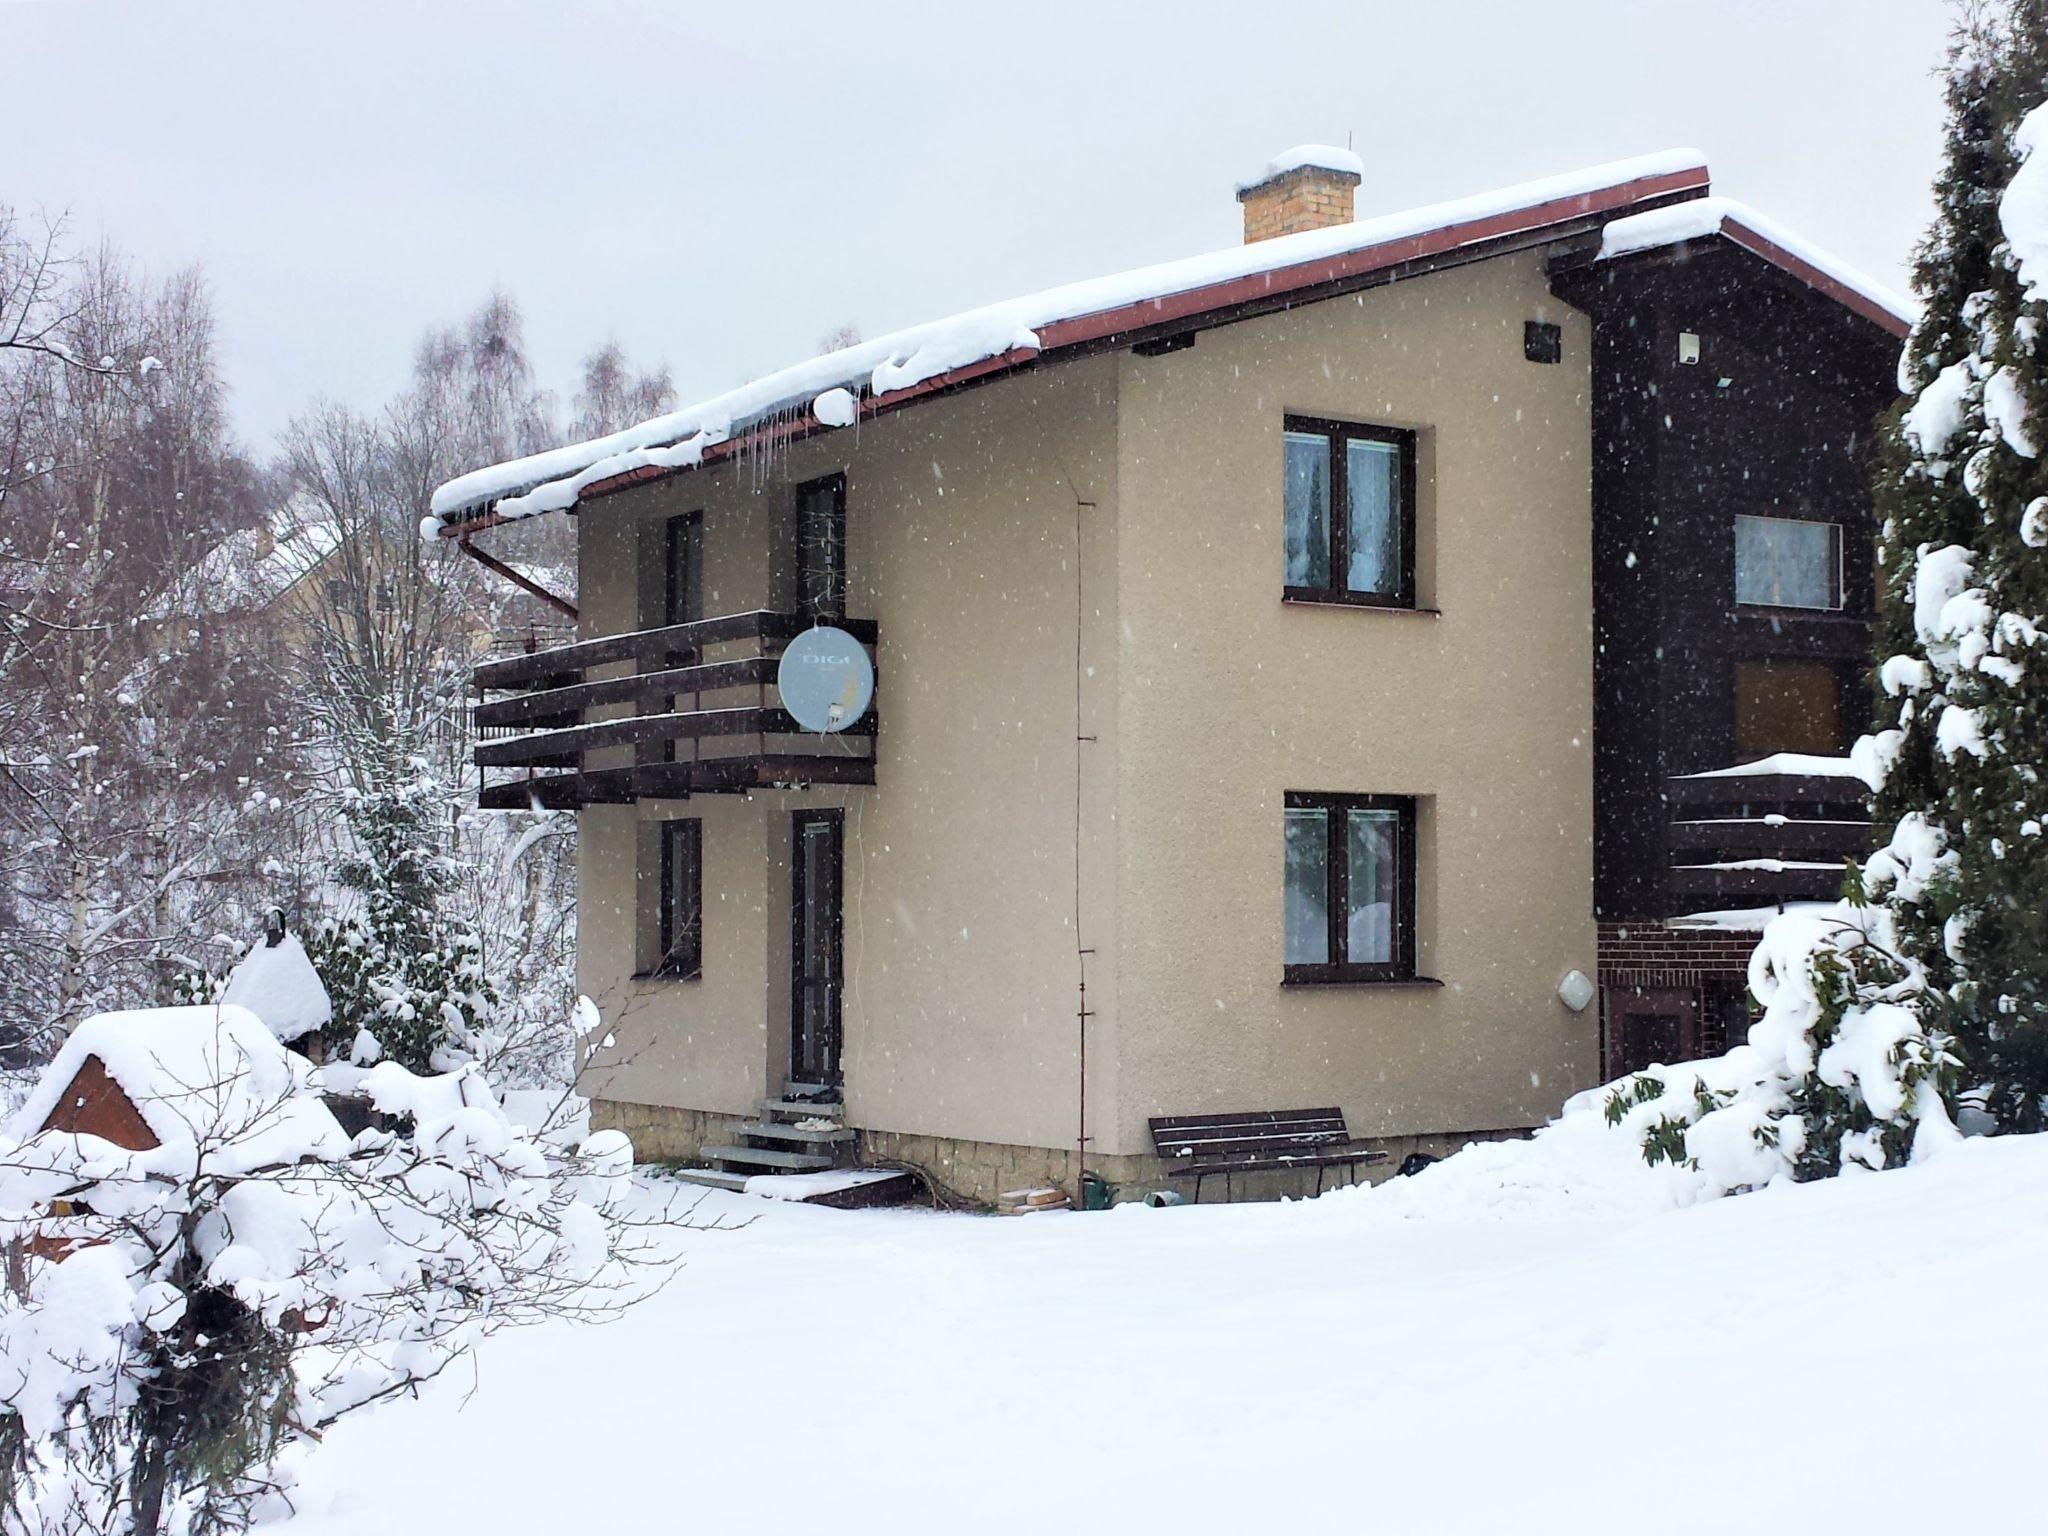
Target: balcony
657,714
1776,830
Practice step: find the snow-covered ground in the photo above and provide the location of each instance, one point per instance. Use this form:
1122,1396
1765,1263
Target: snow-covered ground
1503,1344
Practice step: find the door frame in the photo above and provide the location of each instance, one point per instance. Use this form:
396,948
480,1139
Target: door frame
1683,1002
835,1037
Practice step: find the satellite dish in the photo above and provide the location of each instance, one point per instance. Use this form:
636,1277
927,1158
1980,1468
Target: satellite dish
826,679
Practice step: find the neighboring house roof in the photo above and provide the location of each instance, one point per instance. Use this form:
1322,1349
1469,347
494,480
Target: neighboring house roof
838,388
251,569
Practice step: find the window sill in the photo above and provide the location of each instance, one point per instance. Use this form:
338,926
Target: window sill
1776,612
1380,983
653,978
1305,597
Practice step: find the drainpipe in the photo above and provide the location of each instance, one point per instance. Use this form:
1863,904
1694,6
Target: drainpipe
493,563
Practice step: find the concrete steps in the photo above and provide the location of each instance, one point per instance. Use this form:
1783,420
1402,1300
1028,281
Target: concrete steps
809,1135
802,1132
803,1109
768,1158
711,1178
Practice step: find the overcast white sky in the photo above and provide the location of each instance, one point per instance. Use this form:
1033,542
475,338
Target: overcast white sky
720,188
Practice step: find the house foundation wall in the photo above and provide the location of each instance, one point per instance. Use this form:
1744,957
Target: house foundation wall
662,1133
979,1171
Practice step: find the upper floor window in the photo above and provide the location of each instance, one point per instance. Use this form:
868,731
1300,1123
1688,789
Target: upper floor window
682,570
1349,525
1788,706
821,548
1786,562
1350,888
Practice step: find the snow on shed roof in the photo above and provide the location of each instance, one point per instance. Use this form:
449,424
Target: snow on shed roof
278,984
211,1074
1706,217
922,358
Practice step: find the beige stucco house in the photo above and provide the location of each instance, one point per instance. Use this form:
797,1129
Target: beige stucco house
1233,740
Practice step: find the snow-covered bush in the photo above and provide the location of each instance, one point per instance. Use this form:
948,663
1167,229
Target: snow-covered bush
1838,1072
175,1315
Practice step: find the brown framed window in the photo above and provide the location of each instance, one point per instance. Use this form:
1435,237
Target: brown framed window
1787,562
682,569
1788,706
1348,524
680,923
1349,888
821,548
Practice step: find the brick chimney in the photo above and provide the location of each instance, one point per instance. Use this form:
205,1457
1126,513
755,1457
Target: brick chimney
1308,187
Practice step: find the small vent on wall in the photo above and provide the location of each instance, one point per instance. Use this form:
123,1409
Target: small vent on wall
1159,346
1542,342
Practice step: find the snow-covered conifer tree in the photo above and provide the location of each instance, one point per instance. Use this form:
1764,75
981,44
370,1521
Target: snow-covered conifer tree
1963,498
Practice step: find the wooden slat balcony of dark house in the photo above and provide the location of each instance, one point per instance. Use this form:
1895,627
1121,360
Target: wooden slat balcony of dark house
698,712
1778,830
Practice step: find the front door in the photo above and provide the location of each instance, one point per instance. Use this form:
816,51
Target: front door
815,948
1653,1027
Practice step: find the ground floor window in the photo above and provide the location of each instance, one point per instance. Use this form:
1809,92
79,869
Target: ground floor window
678,926
1349,888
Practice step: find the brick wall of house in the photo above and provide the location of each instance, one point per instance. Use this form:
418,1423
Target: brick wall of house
1651,954
1700,973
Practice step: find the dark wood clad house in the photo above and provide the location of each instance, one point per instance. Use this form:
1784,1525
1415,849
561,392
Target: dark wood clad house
1736,392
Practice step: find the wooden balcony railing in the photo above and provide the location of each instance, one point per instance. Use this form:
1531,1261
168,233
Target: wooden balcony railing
1773,831
659,713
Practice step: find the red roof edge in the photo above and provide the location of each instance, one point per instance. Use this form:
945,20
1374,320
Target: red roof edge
1192,302
1370,258
1807,273
1016,357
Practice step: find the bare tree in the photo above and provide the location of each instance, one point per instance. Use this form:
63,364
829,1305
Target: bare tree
449,906
839,338
36,312
135,735
614,396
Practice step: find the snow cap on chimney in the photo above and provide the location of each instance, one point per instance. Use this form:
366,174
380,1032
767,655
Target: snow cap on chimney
1307,187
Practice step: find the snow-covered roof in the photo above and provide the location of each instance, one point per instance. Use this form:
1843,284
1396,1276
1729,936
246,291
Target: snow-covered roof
836,389
211,1075
253,567
278,984
1707,217
895,367
1745,919
1323,156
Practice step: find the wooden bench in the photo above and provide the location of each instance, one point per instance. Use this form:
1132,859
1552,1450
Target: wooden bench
1262,1141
